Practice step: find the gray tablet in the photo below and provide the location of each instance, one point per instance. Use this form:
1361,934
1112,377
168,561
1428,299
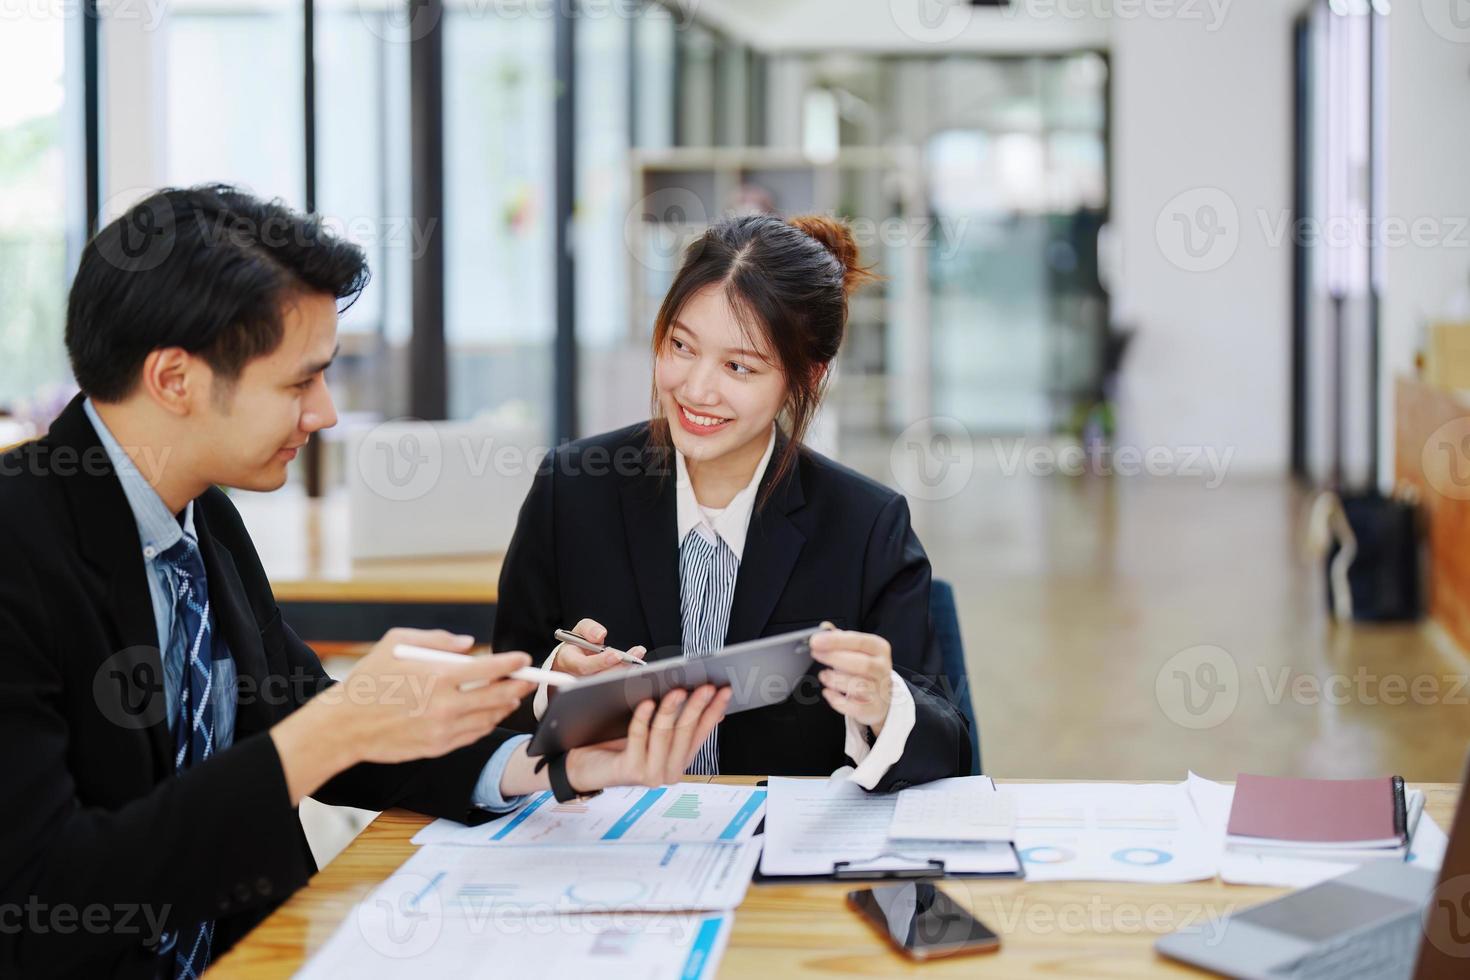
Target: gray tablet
759,673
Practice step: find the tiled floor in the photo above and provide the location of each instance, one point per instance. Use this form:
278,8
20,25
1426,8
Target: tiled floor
1122,628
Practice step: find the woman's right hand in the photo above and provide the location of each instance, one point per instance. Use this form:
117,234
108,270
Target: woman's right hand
572,659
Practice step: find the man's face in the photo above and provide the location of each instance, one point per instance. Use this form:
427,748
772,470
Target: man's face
249,433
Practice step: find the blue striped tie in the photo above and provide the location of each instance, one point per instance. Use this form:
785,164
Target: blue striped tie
707,573
194,723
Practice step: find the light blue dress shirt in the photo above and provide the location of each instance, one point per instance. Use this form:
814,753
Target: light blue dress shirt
159,530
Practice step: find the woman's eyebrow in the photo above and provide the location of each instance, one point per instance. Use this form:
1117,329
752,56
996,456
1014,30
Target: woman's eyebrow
729,351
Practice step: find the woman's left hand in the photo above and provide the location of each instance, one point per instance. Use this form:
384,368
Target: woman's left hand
858,677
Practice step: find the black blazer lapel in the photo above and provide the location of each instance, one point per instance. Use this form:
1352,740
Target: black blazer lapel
772,545
650,519
238,628
107,534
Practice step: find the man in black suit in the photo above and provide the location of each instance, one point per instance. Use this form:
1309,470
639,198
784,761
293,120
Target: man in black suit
159,722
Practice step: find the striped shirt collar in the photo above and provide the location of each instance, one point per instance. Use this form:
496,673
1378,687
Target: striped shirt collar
730,524
158,530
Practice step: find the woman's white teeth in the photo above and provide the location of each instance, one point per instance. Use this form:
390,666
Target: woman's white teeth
702,419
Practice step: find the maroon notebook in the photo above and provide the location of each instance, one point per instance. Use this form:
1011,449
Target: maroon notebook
1365,812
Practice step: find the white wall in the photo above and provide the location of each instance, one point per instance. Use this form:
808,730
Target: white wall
1428,177
1208,112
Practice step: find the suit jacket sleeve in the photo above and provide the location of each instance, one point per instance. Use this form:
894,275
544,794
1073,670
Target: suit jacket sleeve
896,578
439,787
529,611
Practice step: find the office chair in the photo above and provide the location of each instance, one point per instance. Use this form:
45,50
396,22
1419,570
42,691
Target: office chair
946,620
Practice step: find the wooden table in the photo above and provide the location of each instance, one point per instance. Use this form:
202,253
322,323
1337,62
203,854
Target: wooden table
340,605
1052,929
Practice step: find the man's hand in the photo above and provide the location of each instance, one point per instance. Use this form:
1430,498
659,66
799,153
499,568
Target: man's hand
392,710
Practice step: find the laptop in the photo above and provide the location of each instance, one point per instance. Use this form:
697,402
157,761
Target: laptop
1385,921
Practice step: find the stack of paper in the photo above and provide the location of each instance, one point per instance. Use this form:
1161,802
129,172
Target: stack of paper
1111,832
1213,802
963,809
381,941
610,883
684,812
818,827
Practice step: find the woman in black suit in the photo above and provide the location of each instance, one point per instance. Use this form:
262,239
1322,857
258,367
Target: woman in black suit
711,524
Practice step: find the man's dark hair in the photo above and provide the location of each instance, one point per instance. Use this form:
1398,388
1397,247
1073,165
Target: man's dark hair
204,268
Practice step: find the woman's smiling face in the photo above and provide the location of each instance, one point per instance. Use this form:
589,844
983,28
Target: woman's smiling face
718,384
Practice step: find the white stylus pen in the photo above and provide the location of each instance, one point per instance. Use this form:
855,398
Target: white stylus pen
536,675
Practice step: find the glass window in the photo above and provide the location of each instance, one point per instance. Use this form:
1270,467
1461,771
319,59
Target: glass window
613,365
36,191
498,201
363,192
234,100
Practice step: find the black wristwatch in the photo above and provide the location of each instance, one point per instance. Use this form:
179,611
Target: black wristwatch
556,771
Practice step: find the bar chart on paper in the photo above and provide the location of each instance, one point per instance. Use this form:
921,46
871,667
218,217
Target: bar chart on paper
682,813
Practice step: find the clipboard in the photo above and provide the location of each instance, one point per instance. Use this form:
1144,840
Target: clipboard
843,871
759,673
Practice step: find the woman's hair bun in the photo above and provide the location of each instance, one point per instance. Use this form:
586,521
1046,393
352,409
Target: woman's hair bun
836,235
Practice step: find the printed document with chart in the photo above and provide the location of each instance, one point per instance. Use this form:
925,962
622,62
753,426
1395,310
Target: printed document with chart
683,812
1110,832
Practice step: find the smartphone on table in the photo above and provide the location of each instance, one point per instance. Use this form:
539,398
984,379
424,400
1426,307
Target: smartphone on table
921,921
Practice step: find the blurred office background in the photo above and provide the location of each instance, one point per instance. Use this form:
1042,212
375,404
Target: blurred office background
1134,256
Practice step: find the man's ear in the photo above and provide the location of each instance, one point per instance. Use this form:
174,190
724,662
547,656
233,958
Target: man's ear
172,379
